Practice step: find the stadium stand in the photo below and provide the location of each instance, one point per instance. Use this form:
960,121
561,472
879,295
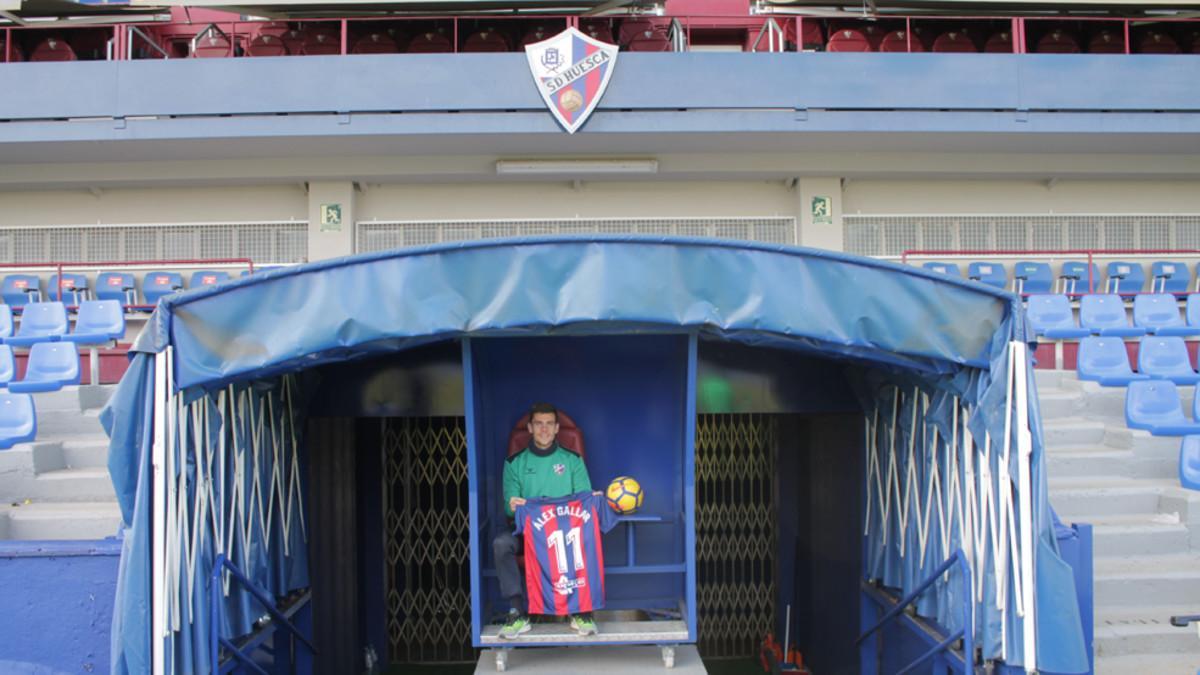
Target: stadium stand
1192,309
486,40
52,49
954,41
1156,42
1106,42
949,269
848,40
212,45
321,43
158,284
1051,317
1105,360
1057,42
8,365
1000,42
51,366
376,42
1169,277
21,289
208,278
74,288
98,322
1166,358
18,419
1124,277
1189,462
293,41
1159,314
6,321
268,45
40,322
1104,314
992,274
1074,278
1155,406
900,41
430,42
119,286
1032,277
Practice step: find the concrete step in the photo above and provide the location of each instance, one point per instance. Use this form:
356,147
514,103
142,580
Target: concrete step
1059,403
1073,431
1086,462
1174,664
1145,631
85,453
77,398
1139,534
68,423
90,483
76,520
1131,582
1082,498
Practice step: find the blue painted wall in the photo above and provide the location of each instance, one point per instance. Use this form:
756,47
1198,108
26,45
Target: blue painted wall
56,603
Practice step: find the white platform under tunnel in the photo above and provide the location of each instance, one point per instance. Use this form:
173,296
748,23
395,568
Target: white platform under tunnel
606,659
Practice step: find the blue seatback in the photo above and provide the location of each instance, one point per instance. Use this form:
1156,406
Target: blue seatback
1154,405
1033,277
8,365
1189,462
1124,277
40,322
75,287
990,273
208,278
1167,276
1075,273
1051,316
1166,357
157,284
51,366
21,289
1105,360
6,321
1104,314
18,420
1159,314
98,322
119,286
1192,310
949,269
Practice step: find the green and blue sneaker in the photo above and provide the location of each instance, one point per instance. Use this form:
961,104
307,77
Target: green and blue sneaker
584,625
517,623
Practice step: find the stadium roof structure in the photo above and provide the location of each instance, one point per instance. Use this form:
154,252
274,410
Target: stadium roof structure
1124,8
75,12
297,9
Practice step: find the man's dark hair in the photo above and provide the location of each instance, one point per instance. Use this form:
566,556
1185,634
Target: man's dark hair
543,408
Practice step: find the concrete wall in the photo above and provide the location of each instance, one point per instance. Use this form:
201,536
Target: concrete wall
56,605
914,196
156,206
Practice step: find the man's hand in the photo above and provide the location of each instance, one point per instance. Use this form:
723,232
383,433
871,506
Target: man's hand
514,502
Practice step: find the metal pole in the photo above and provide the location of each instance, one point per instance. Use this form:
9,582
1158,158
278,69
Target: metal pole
1025,496
157,517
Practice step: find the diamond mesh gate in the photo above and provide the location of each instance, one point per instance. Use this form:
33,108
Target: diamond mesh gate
426,532
735,532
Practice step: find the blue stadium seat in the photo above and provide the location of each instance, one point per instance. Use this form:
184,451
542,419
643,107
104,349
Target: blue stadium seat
208,278
119,286
989,273
75,288
1032,277
51,366
1105,360
1155,406
98,322
1159,314
1166,358
1051,316
1169,277
158,284
8,365
1124,277
21,289
1104,314
1189,462
949,269
1192,309
40,322
1074,277
18,421
6,321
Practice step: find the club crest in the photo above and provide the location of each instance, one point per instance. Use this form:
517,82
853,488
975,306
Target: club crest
571,71
560,469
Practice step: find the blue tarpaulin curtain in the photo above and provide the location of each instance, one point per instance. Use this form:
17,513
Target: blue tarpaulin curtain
944,336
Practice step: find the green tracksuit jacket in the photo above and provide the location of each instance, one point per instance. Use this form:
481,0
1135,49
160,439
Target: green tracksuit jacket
557,473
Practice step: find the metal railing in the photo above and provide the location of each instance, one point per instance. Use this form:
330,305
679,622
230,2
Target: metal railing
966,633
215,641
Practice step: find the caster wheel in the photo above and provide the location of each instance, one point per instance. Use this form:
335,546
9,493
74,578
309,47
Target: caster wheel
668,656
501,660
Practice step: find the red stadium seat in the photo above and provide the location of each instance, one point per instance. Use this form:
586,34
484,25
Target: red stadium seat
1106,42
52,49
321,43
294,41
848,40
486,40
898,41
640,28
954,41
212,46
535,34
650,41
597,30
999,43
1057,42
266,45
430,43
273,28
1155,42
874,35
812,37
375,43
14,55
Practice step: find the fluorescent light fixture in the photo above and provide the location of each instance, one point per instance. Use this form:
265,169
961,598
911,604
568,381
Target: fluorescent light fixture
572,167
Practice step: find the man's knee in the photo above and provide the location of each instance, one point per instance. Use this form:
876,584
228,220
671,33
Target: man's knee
504,542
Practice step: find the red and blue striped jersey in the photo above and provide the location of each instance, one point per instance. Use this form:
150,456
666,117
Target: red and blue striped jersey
564,559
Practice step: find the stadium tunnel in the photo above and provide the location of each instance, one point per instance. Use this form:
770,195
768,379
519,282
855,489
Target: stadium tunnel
817,434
